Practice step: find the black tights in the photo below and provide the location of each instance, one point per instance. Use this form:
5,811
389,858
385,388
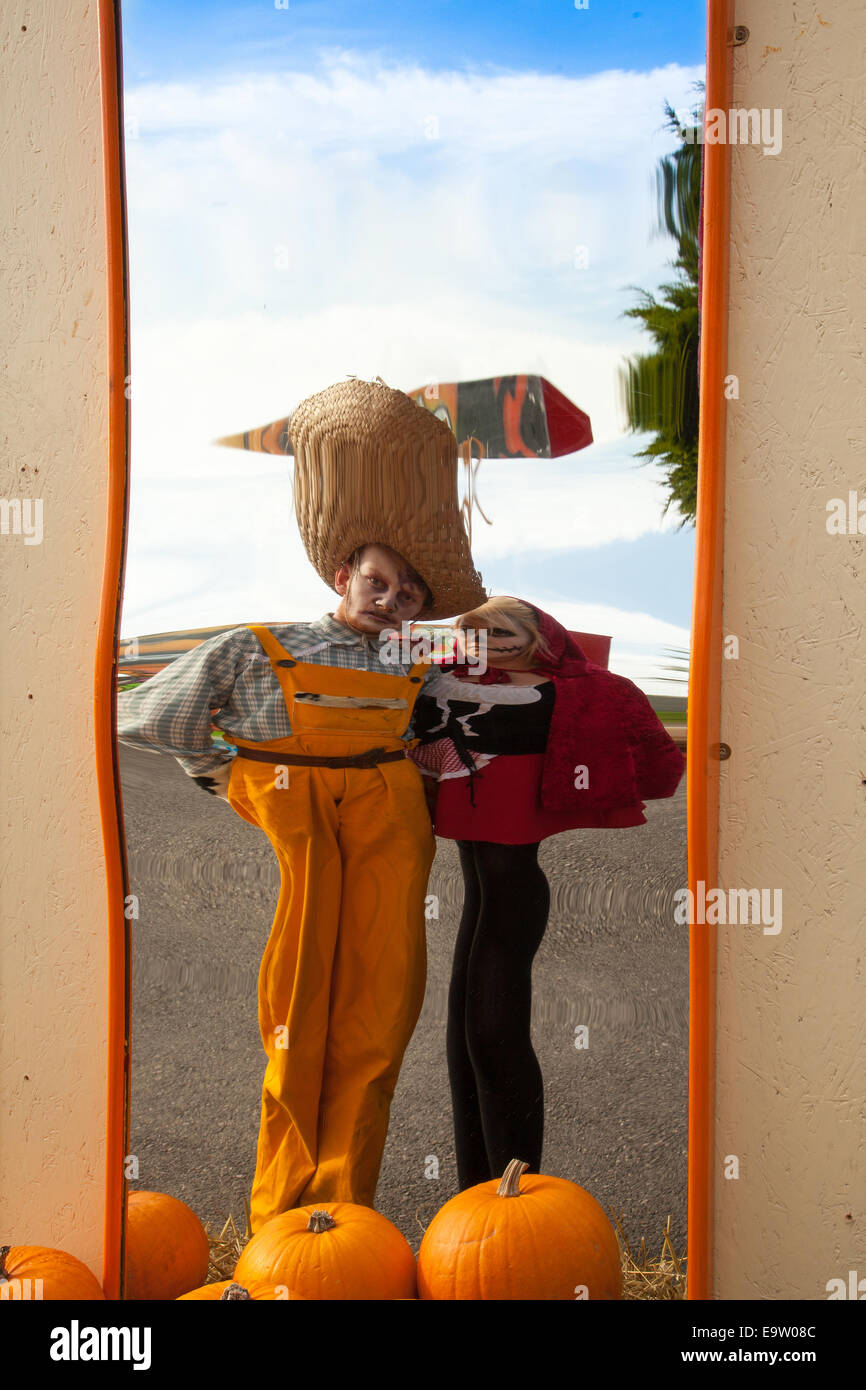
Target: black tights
497,1092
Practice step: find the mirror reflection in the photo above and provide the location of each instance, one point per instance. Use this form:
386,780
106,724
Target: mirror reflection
405,630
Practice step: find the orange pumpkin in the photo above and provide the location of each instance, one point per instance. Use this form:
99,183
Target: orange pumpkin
346,1252
536,1237
166,1247
207,1291
61,1275
227,1291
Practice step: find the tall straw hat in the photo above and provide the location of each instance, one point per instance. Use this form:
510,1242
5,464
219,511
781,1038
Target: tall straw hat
371,466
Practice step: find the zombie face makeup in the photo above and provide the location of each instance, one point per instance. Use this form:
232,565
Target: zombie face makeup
507,644
382,594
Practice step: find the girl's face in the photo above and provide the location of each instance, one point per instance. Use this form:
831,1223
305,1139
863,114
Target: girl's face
508,643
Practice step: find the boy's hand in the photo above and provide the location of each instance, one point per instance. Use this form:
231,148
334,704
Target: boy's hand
217,782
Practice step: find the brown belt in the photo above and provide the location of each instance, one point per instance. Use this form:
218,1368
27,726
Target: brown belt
368,759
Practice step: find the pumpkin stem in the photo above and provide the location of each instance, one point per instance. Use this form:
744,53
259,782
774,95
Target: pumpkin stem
234,1291
509,1185
4,1251
320,1221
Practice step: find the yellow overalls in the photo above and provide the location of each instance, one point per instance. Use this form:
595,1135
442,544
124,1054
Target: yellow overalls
342,977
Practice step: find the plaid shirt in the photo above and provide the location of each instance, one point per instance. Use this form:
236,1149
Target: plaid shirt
231,673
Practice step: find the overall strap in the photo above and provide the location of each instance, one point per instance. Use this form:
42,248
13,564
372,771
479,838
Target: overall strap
415,677
415,682
269,642
419,667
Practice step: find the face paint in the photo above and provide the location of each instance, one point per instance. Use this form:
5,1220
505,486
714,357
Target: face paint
506,645
380,594
472,648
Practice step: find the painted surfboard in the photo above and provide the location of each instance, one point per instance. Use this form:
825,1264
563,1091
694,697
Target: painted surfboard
518,416
508,416
141,657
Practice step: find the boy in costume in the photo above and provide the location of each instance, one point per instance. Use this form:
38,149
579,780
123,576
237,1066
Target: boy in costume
320,714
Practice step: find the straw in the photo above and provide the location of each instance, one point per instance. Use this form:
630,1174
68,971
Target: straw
644,1277
372,466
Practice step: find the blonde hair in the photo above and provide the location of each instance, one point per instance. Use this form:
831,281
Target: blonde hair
513,611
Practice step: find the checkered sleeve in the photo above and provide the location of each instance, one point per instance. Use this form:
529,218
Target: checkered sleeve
171,711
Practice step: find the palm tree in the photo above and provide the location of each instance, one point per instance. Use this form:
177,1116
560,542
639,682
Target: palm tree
659,390
680,665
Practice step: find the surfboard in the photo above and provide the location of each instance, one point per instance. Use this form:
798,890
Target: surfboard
509,416
519,416
141,657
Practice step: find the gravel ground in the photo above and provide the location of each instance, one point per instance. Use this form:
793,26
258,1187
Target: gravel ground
612,958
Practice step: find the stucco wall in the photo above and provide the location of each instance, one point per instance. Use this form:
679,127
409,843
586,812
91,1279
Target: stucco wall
53,930
790,1041
790,1055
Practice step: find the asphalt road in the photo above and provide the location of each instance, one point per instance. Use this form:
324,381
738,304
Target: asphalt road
612,958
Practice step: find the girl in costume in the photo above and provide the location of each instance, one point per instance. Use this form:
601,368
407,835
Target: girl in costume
543,741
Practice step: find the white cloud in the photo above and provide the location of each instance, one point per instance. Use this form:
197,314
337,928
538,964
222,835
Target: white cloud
560,505
288,230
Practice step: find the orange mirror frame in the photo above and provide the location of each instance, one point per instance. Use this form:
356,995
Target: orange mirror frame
702,772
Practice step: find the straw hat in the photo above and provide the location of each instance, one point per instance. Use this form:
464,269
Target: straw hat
371,466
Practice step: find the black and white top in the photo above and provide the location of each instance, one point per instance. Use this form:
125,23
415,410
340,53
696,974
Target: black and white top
462,725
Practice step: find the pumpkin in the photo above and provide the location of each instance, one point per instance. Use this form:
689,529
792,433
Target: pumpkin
207,1291
536,1237
346,1252
62,1276
166,1247
227,1291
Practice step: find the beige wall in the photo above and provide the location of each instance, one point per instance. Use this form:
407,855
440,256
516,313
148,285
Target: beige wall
790,1053
790,1057
53,929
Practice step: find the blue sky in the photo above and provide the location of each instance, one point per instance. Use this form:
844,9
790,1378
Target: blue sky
396,189
166,39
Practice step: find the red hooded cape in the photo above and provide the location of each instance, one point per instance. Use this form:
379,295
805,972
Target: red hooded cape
604,735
